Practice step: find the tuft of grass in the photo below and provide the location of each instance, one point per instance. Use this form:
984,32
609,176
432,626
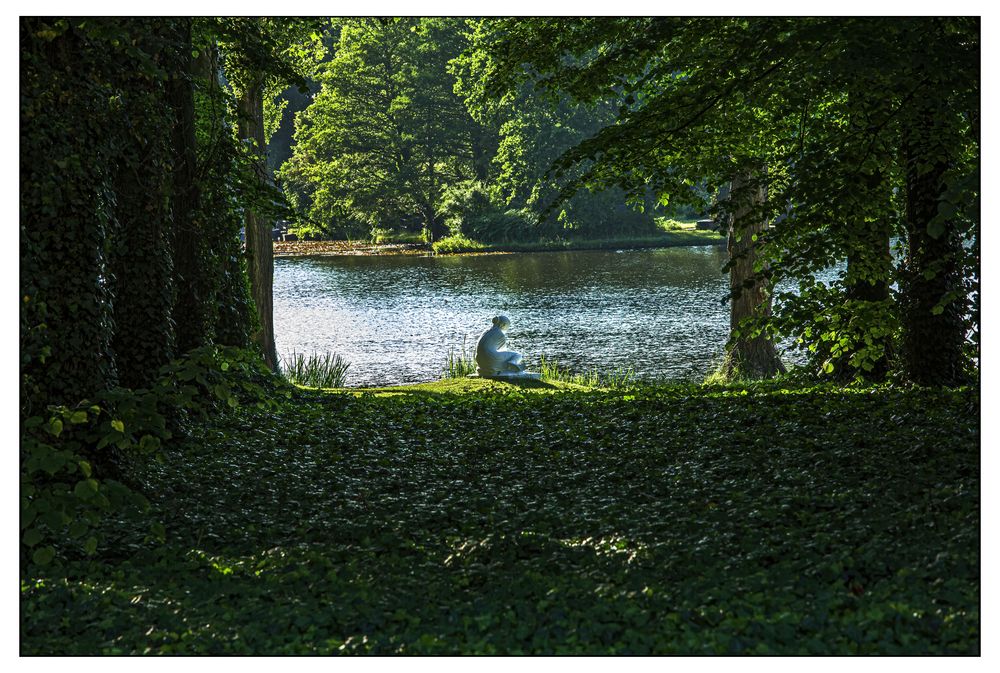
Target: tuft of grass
316,371
620,378
460,363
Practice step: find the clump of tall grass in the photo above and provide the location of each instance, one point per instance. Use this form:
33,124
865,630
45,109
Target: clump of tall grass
621,377
460,363
328,370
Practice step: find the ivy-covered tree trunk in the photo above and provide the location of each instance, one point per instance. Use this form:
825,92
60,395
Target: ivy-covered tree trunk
933,302
141,261
748,356
192,313
234,313
65,218
259,246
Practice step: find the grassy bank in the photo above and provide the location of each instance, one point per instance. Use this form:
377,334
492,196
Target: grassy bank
461,245
666,239
471,516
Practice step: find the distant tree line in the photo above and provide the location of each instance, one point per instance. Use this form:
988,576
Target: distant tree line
389,144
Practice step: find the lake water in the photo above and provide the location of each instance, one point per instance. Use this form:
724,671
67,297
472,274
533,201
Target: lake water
394,318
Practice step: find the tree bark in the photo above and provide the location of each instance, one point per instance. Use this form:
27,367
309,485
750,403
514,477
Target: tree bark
259,246
748,356
933,340
191,314
143,284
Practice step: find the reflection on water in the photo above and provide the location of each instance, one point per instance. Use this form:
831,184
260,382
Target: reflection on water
394,318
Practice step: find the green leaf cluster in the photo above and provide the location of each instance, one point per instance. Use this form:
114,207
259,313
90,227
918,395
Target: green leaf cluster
78,463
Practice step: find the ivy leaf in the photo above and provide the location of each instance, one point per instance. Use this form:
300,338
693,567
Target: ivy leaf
32,537
54,427
43,556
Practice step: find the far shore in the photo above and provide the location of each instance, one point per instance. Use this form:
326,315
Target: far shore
670,239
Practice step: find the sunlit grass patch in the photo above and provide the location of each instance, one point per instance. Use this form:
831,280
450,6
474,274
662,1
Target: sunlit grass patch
619,378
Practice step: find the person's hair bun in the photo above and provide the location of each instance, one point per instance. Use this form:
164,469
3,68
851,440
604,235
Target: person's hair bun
496,321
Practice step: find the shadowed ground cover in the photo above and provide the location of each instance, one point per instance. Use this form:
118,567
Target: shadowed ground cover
475,516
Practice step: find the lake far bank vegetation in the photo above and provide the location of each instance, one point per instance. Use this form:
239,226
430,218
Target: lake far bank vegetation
179,493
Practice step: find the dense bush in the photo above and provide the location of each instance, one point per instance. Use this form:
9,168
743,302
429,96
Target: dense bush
456,243
77,462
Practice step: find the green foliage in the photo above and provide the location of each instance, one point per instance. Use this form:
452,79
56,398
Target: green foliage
456,243
316,371
387,144
521,520
465,201
461,363
74,460
386,133
670,224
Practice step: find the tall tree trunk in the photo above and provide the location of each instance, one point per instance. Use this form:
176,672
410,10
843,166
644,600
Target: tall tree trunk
436,229
748,356
933,336
140,263
260,249
191,312
66,319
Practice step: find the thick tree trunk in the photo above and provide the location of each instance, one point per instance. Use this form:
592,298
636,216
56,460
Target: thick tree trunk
933,336
435,227
748,356
142,267
66,320
259,246
191,314
142,270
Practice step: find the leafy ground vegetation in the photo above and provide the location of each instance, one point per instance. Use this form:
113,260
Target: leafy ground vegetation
478,517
